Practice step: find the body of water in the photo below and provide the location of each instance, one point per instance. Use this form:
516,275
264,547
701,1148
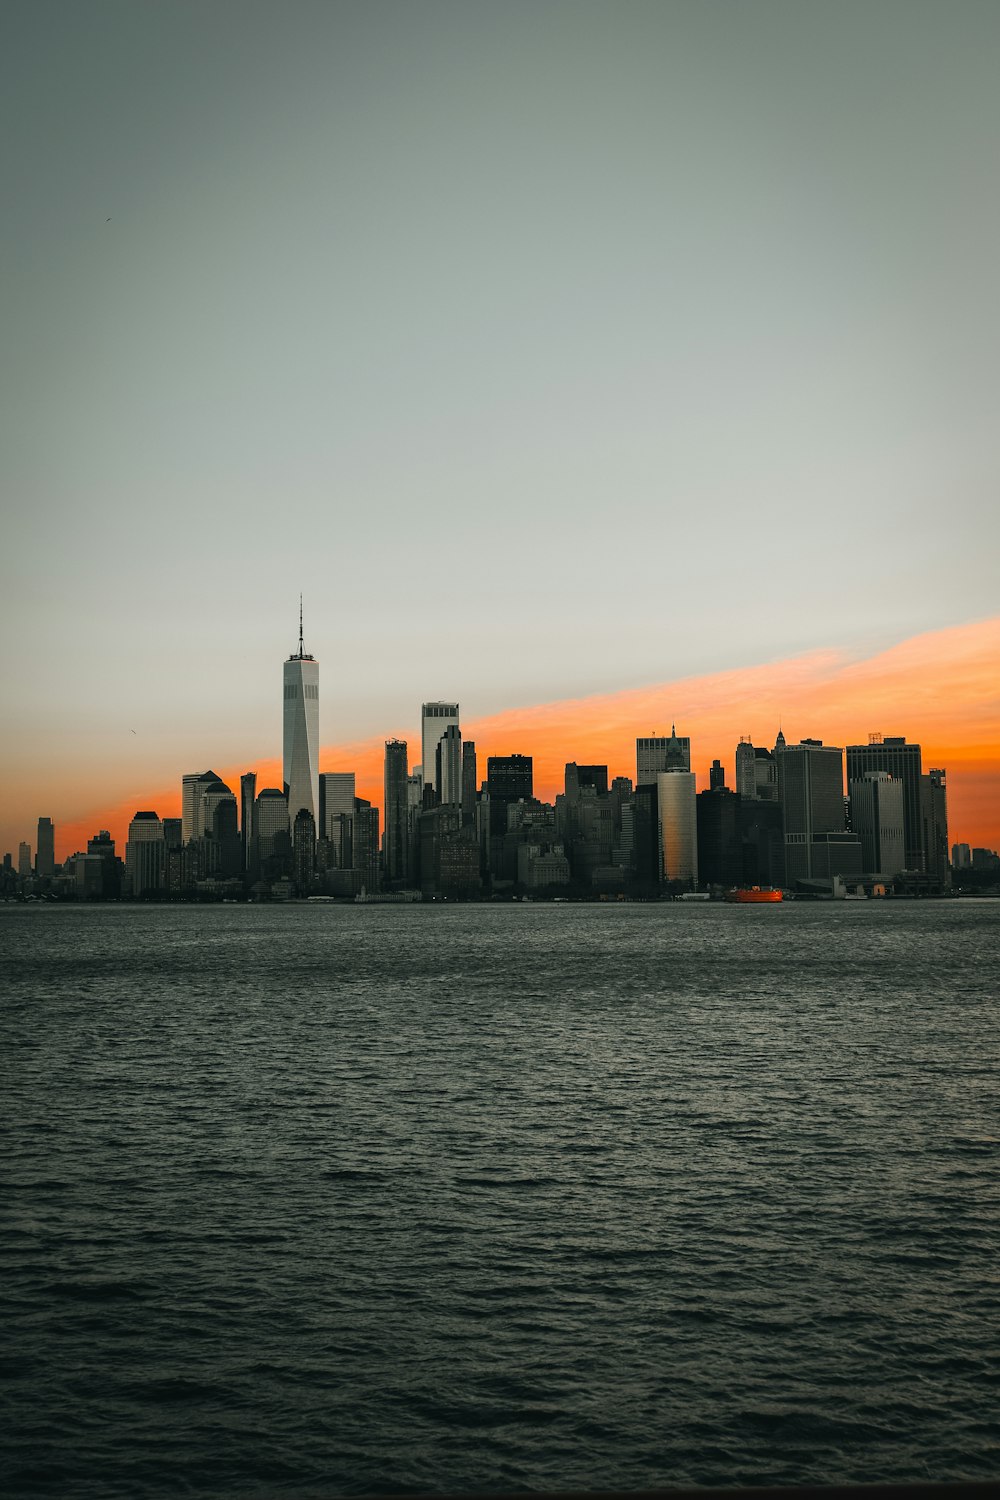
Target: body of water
318,1201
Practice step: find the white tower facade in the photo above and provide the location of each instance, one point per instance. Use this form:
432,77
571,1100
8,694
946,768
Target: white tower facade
435,718
301,732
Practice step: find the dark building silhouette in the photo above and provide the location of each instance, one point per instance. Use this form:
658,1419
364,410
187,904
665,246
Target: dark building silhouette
508,779
645,880
934,818
45,857
762,845
248,799
811,793
396,776
903,763
720,853
468,782
366,840
304,851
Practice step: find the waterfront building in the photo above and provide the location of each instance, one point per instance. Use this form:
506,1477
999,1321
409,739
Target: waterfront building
367,874
248,797
192,786
144,855
271,822
720,854
934,831
435,719
24,860
902,761
303,851
678,825
811,793
652,753
45,858
508,779
877,820
300,740
762,848
397,841
336,801
961,856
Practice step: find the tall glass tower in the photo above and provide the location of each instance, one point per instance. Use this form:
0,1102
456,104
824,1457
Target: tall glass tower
301,732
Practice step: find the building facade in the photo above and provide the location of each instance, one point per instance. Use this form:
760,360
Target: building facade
902,761
300,738
435,718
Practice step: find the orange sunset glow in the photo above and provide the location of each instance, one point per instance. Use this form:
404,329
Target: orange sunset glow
939,689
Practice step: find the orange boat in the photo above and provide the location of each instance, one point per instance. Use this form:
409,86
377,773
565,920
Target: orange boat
752,894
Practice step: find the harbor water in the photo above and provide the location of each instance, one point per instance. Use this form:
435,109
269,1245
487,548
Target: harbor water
332,1200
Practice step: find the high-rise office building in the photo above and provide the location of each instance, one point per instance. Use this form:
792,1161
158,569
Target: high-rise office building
271,821
144,855
661,752
397,842
192,806
720,854
365,851
448,767
300,742
248,797
756,773
961,856
934,818
811,793
303,850
468,782
902,761
678,814
336,799
435,718
877,819
24,860
45,859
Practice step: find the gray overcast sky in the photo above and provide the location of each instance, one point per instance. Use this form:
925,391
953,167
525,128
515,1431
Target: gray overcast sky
547,348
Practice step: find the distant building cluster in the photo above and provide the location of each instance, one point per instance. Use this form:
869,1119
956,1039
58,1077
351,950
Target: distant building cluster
787,823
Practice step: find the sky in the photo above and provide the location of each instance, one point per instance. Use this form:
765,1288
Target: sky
557,353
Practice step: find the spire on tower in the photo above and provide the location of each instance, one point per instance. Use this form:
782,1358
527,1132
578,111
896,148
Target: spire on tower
300,626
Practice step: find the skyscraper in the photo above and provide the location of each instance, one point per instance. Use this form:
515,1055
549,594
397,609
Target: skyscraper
144,854
449,760
934,817
192,806
655,753
301,732
877,819
434,720
678,813
45,858
811,792
468,782
336,814
903,762
396,821
248,796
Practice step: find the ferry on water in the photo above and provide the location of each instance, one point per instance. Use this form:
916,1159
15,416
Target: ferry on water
752,894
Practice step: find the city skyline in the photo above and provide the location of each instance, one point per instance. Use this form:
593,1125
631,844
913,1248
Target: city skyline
909,691
553,352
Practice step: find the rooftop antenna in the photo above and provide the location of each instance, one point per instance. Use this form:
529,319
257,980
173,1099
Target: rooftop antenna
300,626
